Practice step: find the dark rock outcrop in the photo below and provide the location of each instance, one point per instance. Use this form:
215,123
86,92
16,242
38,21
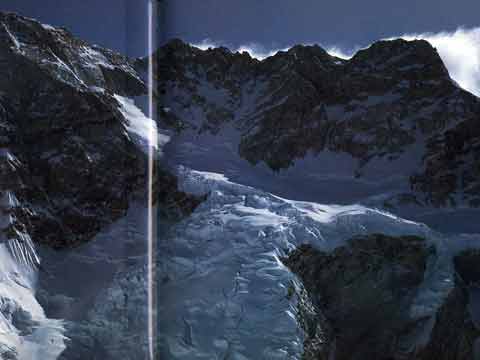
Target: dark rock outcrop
467,265
363,290
67,160
454,334
173,203
362,294
68,166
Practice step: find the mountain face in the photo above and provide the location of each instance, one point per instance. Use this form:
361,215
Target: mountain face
391,106
64,142
243,273
366,291
69,167
73,165
250,275
68,150
253,275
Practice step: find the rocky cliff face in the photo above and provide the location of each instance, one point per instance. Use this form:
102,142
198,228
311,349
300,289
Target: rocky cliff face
70,165
363,294
392,100
73,163
67,157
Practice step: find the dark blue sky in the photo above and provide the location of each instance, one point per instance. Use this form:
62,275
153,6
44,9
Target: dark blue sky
121,24
346,23
103,22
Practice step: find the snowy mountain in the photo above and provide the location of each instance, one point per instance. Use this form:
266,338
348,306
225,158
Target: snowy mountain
65,140
251,262
387,128
72,162
363,283
251,275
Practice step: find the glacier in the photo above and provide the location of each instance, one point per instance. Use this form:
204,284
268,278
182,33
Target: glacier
25,330
223,291
107,314
54,304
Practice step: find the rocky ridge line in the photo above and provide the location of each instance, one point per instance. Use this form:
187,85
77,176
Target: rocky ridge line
393,98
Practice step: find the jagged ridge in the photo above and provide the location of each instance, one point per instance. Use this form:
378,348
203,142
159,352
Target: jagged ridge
387,100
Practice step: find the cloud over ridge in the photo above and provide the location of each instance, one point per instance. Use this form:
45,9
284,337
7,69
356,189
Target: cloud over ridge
260,52
255,50
459,50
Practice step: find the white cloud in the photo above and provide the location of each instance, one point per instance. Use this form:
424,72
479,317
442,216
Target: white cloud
261,52
206,44
460,51
258,51
340,53
255,50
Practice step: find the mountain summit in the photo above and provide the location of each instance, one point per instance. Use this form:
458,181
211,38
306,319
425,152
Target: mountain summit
391,106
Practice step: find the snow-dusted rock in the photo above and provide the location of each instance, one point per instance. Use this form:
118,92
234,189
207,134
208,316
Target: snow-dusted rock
388,127
72,161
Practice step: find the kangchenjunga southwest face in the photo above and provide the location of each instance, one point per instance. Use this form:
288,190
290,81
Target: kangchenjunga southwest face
254,259
386,128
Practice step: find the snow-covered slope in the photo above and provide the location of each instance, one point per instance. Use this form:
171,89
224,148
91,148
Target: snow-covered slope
73,164
100,290
143,129
224,292
25,331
